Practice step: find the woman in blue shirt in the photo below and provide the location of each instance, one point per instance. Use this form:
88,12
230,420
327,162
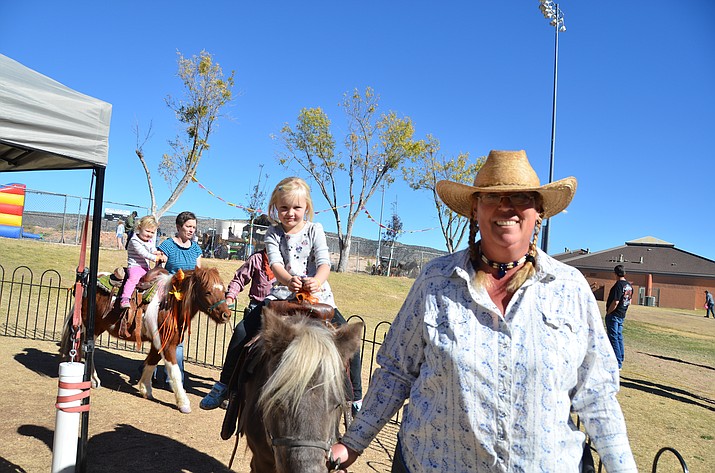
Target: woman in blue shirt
182,252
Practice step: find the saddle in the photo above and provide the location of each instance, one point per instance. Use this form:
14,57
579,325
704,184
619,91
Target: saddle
314,310
130,320
247,362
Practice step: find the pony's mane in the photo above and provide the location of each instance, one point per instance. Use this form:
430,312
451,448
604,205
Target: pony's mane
311,355
193,280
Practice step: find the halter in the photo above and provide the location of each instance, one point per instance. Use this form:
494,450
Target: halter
289,442
324,445
215,305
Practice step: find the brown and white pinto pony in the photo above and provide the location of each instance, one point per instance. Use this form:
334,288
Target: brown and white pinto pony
293,399
164,322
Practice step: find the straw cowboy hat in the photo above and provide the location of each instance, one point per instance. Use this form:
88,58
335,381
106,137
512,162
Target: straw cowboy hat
507,171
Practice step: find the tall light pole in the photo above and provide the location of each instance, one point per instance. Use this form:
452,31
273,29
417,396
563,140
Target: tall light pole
551,11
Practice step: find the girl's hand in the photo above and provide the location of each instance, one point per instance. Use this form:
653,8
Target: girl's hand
311,285
296,283
230,301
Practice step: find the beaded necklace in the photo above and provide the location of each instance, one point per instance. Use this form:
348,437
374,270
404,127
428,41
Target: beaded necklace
503,267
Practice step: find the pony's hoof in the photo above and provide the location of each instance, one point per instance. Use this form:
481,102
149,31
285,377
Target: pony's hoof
185,409
145,393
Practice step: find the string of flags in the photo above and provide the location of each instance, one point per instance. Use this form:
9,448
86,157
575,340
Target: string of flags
238,206
390,229
260,211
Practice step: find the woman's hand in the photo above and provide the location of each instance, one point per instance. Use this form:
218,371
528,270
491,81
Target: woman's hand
346,456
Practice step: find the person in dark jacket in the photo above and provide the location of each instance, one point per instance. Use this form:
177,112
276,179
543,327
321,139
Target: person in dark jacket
616,306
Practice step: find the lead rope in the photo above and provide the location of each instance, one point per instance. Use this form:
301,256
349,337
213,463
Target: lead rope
80,284
76,328
233,454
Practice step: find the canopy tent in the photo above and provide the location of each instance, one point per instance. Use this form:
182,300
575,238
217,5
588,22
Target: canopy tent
46,125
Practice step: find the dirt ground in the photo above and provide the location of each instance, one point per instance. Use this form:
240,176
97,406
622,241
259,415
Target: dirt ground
126,432
668,400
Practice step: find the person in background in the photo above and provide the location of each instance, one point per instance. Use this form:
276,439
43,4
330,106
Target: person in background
257,271
182,252
120,233
141,252
619,298
129,226
496,346
709,304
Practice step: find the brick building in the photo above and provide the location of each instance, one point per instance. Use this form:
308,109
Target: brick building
661,274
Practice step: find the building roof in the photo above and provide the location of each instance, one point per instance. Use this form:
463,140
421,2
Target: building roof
648,255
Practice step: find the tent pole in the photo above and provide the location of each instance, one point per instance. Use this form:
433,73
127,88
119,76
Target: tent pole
91,303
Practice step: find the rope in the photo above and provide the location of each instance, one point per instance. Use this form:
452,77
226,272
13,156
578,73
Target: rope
81,282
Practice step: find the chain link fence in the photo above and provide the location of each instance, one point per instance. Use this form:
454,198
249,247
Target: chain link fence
59,218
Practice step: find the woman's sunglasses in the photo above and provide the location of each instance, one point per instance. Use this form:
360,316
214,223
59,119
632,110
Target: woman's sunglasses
518,199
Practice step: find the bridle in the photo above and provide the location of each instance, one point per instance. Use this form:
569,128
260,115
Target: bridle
324,445
289,442
216,304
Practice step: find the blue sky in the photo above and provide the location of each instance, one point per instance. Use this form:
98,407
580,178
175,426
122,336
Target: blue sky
635,122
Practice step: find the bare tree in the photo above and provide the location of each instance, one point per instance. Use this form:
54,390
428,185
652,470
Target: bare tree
206,91
257,197
375,147
392,232
256,204
428,168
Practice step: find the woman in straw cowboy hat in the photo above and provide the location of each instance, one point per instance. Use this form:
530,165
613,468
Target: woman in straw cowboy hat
496,345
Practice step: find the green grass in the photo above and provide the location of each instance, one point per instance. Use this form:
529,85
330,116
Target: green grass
644,336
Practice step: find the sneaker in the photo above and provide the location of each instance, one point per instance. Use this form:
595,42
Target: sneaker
124,303
215,397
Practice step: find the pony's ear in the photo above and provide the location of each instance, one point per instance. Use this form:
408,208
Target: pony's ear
348,338
276,333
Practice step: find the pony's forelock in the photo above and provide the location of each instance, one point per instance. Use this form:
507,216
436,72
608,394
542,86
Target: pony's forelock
311,355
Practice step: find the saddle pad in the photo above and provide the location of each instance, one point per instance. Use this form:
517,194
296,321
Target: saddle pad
149,293
105,283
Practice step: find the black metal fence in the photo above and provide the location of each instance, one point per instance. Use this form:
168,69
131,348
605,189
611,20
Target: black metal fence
35,307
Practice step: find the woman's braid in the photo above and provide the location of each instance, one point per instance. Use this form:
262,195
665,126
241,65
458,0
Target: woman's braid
529,268
473,247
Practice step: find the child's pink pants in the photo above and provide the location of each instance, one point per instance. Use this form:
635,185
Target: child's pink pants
135,274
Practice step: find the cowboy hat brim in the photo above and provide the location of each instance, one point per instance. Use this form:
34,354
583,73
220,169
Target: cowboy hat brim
556,196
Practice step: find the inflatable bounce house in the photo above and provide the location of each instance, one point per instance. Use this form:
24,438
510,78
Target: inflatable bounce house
12,204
